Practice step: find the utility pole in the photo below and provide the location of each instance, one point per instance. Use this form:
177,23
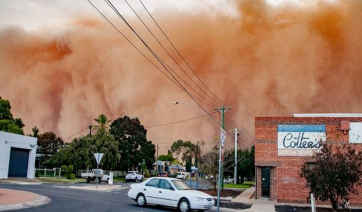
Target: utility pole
157,160
236,134
222,109
90,130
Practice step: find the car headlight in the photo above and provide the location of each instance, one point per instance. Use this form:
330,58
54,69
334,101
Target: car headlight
199,199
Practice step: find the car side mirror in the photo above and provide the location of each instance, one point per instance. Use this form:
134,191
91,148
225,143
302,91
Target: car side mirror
171,188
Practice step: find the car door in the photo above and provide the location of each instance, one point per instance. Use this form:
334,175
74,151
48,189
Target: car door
151,191
167,194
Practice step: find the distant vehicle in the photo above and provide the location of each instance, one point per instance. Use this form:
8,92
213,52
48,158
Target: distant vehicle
173,174
228,180
134,176
211,177
170,192
162,174
96,175
181,175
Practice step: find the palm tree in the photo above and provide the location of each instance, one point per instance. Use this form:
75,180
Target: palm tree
103,123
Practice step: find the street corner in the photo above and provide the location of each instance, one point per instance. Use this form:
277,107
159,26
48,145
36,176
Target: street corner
12,199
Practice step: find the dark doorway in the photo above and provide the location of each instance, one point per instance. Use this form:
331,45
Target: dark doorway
18,165
265,177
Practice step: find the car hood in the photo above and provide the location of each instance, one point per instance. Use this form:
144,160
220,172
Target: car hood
195,193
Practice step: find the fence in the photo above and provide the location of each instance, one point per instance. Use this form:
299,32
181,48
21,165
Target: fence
58,172
54,172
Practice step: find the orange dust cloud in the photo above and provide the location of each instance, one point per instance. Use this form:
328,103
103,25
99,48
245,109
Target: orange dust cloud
266,60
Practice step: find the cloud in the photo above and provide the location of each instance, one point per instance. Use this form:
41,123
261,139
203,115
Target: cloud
260,60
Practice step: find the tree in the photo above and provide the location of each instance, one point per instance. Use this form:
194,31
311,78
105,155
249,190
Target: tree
48,144
167,157
132,141
186,148
80,152
103,122
336,174
246,164
209,163
35,131
7,121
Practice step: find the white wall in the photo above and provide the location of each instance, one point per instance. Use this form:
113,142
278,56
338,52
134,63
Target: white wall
8,140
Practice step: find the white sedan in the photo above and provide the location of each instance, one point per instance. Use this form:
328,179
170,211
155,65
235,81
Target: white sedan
134,176
181,176
170,192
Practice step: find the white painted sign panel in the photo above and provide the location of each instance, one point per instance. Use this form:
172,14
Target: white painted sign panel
98,157
355,133
300,140
222,137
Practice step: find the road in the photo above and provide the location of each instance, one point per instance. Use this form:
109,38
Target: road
65,198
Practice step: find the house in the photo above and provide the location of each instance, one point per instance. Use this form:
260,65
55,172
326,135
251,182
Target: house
17,155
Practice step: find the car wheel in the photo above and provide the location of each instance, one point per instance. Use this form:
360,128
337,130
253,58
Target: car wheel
136,180
141,200
141,179
184,205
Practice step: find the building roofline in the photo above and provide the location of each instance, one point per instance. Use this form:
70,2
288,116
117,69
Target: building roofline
328,115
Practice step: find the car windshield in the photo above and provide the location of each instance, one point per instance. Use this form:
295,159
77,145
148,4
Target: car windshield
131,173
180,185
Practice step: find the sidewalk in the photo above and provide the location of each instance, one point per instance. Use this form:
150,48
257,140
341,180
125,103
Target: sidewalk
11,199
257,205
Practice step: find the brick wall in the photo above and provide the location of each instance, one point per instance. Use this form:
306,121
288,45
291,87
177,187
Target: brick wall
286,183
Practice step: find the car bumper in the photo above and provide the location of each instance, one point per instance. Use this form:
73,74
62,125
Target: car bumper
202,205
130,178
131,194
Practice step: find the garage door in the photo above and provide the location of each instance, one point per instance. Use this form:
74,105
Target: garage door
18,165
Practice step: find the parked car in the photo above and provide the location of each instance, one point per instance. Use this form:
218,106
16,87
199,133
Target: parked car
228,180
181,175
134,176
170,192
96,175
173,174
162,174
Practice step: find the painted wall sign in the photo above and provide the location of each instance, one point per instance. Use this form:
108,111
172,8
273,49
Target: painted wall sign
355,133
300,140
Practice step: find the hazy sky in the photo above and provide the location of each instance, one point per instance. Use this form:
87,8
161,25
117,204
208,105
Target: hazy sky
62,64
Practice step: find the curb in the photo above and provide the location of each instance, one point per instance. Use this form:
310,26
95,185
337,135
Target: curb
42,200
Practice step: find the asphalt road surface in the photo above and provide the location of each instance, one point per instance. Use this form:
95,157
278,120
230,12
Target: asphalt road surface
66,199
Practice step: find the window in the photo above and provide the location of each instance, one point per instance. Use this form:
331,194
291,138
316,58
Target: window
165,184
180,185
153,183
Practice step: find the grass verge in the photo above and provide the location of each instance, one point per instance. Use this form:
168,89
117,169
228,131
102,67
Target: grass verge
246,184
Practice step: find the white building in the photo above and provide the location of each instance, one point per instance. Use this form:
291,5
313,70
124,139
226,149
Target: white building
17,155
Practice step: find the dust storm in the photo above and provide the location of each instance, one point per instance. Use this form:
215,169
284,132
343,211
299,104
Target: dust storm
260,59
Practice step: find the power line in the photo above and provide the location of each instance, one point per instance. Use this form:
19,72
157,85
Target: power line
155,55
168,52
131,42
70,136
159,27
165,66
178,52
176,122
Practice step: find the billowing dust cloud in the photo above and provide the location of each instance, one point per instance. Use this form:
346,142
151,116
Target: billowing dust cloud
266,60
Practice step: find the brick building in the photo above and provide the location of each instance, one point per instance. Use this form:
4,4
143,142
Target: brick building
283,144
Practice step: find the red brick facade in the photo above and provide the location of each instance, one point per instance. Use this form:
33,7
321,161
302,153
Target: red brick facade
285,182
